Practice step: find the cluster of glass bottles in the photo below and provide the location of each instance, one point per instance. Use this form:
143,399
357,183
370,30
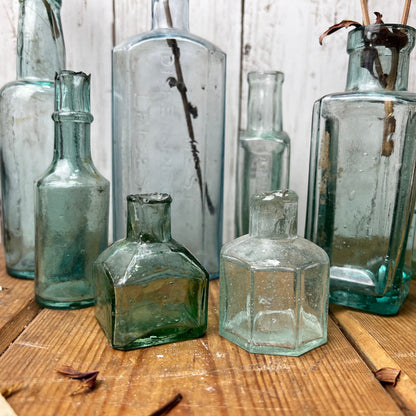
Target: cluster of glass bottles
148,288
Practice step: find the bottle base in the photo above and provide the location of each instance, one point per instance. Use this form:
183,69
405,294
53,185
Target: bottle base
261,348
385,305
154,340
62,305
21,274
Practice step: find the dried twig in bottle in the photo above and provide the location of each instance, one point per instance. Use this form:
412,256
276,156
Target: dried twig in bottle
189,109
364,9
406,12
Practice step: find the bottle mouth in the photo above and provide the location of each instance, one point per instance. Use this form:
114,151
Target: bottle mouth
150,198
401,37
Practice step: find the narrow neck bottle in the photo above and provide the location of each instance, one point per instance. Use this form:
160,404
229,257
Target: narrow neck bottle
72,117
379,57
170,14
273,215
148,217
264,112
40,42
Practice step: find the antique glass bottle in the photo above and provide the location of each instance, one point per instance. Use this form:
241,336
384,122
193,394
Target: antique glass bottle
168,127
150,290
71,204
264,148
274,285
361,181
26,131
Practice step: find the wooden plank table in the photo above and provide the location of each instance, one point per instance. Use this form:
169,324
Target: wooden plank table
214,376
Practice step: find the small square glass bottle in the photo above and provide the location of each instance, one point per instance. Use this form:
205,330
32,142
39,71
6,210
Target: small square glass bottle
274,285
150,290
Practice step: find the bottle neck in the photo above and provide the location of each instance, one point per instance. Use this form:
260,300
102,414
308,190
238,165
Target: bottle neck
148,217
170,14
264,112
40,42
379,57
273,215
72,117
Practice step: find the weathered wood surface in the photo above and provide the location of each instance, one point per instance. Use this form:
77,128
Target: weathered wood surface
386,342
17,305
214,376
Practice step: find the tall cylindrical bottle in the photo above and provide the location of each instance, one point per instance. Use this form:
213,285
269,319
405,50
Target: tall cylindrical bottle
361,182
71,203
26,131
264,148
168,127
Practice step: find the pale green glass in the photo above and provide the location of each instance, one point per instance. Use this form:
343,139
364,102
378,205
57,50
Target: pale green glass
274,285
71,203
153,148
264,148
150,290
26,131
361,182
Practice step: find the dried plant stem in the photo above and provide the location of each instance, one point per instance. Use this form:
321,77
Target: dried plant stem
406,12
189,110
164,410
364,8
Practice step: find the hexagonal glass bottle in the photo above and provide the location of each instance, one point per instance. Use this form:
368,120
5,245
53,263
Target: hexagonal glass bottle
150,290
274,285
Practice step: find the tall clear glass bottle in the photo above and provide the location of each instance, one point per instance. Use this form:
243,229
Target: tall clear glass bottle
361,181
264,148
168,127
71,204
274,285
150,290
26,131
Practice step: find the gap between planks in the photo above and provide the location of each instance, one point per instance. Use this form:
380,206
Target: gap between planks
375,357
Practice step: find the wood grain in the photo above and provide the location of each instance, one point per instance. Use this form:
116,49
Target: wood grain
17,305
214,376
386,342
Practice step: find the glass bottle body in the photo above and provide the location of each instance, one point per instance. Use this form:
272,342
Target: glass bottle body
153,125
361,185
26,132
150,290
274,285
72,203
264,148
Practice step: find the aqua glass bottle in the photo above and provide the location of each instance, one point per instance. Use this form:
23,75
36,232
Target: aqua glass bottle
26,131
168,127
264,148
150,290
361,181
274,285
71,204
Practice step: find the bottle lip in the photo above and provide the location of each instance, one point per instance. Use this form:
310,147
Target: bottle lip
285,195
265,75
374,35
150,198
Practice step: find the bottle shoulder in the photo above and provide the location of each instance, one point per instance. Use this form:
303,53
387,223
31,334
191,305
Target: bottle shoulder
158,35
374,96
251,136
26,88
294,253
130,260
62,173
